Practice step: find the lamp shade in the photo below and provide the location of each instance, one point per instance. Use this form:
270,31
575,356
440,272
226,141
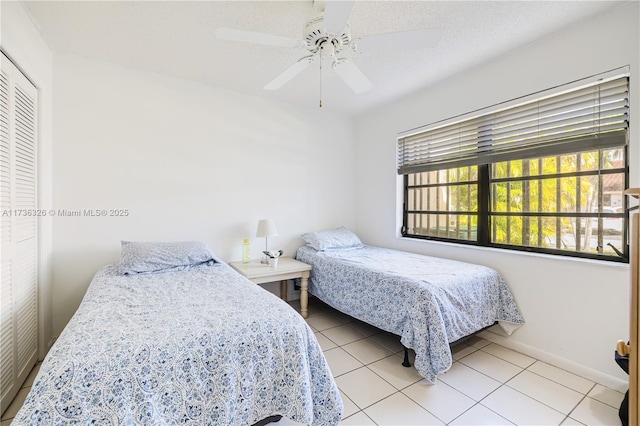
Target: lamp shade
266,228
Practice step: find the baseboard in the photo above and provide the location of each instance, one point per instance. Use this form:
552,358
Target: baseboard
588,373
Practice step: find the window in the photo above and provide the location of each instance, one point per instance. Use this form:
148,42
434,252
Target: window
443,203
547,175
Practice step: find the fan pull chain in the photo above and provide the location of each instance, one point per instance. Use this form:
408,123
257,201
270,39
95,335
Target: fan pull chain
320,77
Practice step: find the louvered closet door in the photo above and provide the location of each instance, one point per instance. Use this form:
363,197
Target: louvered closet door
19,229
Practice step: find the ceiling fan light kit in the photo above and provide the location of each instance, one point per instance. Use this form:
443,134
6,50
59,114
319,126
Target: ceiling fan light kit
316,35
327,35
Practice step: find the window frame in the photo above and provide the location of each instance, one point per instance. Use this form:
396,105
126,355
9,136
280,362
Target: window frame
485,212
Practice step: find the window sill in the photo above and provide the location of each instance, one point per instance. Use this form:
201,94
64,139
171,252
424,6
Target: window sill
525,254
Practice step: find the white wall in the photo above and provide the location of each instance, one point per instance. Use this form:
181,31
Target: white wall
189,162
575,310
22,42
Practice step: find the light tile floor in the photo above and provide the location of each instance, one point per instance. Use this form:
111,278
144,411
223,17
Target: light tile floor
487,384
11,411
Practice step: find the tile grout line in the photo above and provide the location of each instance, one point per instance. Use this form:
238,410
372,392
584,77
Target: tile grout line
484,406
562,384
585,396
416,402
383,379
521,368
502,384
4,419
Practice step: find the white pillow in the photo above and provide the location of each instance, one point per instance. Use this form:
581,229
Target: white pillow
334,239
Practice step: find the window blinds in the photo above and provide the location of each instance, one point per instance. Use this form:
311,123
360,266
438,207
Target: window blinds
587,118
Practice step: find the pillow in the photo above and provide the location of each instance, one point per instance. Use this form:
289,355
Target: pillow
149,257
340,238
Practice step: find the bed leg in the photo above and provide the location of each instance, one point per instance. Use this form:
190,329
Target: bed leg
304,294
406,362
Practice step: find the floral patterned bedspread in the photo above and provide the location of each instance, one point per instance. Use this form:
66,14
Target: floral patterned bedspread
430,302
203,346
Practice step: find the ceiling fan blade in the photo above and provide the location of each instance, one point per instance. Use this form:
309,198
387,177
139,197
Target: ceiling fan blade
336,14
232,34
289,73
403,40
352,75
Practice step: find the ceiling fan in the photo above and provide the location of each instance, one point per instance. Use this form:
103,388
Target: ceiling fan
327,36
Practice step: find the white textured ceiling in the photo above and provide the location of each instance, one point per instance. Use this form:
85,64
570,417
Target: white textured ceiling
176,38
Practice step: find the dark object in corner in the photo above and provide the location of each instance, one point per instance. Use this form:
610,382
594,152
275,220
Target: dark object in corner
623,412
270,419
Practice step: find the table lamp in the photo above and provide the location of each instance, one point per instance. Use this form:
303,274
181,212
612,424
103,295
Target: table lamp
266,228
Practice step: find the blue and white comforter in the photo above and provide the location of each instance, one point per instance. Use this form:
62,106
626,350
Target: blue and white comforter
430,302
203,346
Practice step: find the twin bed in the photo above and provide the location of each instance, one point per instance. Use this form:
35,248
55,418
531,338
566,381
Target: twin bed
171,334
176,336
429,302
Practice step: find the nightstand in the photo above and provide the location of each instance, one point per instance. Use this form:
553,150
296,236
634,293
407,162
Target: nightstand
287,269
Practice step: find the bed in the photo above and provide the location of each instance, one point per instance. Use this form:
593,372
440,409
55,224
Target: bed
429,302
191,342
